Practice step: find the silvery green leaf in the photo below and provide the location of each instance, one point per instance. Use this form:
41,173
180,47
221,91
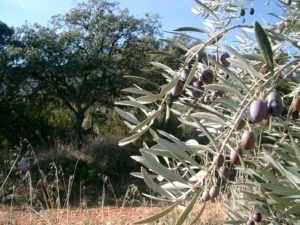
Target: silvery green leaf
209,117
133,137
140,160
176,44
175,186
241,62
198,176
137,91
134,104
191,75
159,168
154,186
144,80
169,86
127,116
147,99
226,88
164,67
158,215
208,10
255,57
292,210
137,174
229,72
177,150
188,209
147,121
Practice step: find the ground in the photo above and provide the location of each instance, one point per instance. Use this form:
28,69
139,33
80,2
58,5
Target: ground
214,214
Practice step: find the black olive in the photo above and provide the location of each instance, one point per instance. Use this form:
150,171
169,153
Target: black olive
242,13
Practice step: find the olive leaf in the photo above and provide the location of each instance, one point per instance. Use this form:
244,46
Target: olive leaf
264,45
193,29
158,215
188,209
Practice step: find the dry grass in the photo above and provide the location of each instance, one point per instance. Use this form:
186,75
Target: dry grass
131,206
214,214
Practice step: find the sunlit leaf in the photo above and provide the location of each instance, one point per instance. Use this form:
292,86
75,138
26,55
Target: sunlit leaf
188,209
264,45
208,10
127,116
153,185
158,215
160,169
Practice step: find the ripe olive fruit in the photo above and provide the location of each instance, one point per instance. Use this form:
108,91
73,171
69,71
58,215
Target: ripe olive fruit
274,104
250,222
226,76
216,94
197,88
257,216
205,195
242,13
234,156
207,76
177,90
251,12
295,105
295,115
214,191
207,99
184,74
219,160
273,95
288,2
240,124
224,172
265,121
248,140
223,59
257,111
275,107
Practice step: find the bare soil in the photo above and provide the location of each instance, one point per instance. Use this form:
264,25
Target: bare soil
214,214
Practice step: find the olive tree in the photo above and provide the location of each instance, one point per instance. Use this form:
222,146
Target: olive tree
244,101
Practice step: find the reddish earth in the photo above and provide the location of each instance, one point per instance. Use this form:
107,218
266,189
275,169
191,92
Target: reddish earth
103,216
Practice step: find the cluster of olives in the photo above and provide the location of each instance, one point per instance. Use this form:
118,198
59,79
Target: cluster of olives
260,110
223,173
256,217
243,12
248,142
197,85
212,193
295,106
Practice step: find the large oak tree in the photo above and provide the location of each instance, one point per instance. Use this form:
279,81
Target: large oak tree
79,59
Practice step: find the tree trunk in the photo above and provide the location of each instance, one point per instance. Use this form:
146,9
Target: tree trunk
78,128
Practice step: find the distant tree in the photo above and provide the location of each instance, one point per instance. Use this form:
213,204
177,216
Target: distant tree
80,59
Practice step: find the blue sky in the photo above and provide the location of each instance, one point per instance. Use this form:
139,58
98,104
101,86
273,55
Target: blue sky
174,13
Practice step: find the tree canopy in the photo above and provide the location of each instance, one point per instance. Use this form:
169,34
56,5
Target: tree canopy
79,60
